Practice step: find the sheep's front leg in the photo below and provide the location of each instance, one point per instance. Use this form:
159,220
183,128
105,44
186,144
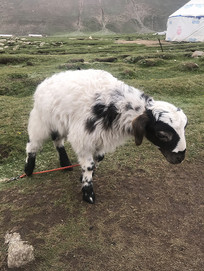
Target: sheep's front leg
88,166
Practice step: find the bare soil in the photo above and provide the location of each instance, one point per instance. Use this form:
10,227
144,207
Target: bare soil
144,42
139,221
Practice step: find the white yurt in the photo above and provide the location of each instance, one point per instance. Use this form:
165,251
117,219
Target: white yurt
187,23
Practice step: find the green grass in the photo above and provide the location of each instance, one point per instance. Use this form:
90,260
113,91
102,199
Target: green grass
47,209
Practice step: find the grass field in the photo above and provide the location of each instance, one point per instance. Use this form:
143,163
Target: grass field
148,214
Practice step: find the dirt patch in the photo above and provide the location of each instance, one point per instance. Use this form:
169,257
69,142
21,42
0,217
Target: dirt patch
141,220
148,43
4,151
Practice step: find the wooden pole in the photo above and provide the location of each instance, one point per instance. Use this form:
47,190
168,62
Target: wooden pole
160,45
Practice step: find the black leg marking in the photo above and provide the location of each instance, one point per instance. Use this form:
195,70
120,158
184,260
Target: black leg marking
99,158
92,167
88,194
88,166
63,157
30,164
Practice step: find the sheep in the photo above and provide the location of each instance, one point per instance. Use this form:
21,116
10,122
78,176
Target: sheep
96,112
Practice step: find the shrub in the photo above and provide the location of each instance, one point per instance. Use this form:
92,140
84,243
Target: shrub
150,62
189,66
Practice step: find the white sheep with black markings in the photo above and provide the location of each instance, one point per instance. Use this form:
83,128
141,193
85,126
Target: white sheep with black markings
96,112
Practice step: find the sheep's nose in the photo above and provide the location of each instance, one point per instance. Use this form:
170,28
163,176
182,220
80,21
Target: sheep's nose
173,157
178,160
180,157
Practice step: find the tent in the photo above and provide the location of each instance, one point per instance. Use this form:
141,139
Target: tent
187,23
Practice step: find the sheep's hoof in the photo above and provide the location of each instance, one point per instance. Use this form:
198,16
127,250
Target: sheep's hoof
30,164
88,194
28,171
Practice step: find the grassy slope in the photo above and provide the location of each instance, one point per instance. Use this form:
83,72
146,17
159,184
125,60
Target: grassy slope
47,209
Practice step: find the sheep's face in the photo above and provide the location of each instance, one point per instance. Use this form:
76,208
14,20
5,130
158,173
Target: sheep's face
164,125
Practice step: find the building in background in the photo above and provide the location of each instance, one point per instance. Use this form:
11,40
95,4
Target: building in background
187,23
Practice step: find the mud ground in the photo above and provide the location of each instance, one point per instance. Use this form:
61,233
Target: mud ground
139,221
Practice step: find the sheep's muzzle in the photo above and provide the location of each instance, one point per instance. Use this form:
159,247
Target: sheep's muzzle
173,157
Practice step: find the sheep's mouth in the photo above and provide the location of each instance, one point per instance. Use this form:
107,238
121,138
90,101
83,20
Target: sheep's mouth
173,157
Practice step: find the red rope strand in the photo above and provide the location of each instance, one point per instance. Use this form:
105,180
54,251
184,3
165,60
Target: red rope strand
50,170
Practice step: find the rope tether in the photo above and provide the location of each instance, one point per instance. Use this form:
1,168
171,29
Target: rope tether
40,172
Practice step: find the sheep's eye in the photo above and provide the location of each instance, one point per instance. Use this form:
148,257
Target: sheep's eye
164,136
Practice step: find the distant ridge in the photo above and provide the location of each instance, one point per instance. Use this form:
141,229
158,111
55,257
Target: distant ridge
21,17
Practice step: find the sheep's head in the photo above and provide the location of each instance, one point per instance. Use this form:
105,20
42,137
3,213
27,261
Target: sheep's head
163,124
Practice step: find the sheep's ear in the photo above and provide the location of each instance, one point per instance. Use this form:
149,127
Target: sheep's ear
139,125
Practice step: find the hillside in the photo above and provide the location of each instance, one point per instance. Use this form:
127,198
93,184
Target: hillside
148,214
62,16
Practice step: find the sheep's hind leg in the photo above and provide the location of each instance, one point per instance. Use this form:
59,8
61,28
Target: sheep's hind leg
31,150
59,145
37,132
87,180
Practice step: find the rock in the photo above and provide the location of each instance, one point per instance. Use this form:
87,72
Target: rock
198,54
19,252
16,47
42,44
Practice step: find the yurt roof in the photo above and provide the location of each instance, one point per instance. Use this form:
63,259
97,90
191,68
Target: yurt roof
194,8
